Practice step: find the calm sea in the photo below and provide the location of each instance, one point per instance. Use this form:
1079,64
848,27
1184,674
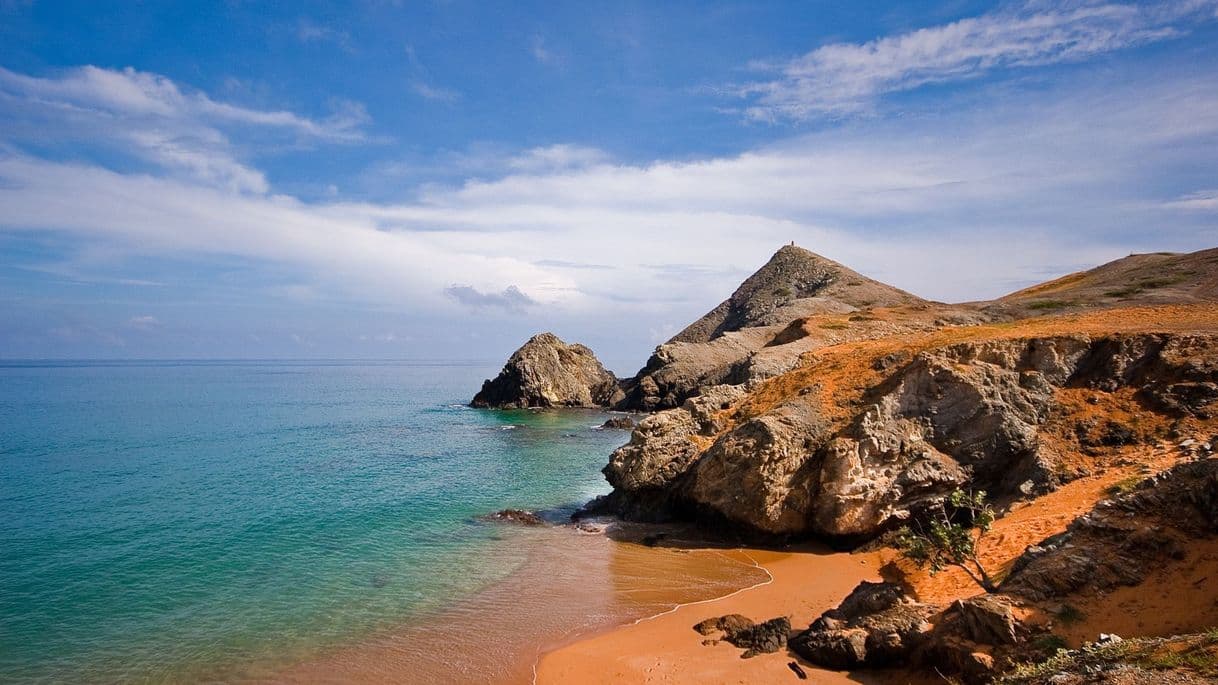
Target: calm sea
164,519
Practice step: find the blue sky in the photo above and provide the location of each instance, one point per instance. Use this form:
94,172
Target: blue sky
441,179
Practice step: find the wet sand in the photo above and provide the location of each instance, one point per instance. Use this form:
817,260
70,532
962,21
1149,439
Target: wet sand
573,584
666,649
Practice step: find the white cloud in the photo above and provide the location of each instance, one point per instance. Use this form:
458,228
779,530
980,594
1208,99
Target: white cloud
557,157
422,83
434,93
150,118
1204,200
308,31
959,207
843,78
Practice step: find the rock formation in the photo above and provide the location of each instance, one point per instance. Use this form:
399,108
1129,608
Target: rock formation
815,402
865,439
754,638
546,372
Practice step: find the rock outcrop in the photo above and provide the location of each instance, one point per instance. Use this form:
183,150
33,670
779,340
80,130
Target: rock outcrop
546,372
517,516
877,625
1124,538
860,441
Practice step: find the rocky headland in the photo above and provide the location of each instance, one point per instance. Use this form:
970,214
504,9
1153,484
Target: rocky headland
818,404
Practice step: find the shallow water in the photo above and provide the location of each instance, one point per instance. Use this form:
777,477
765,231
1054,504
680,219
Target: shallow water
277,520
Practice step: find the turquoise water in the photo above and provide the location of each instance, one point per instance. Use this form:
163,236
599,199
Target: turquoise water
160,518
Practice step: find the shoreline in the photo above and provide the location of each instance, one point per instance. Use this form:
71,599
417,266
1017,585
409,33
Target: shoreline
578,636
802,583
574,585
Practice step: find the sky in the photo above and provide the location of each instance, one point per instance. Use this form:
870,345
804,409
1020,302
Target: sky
439,179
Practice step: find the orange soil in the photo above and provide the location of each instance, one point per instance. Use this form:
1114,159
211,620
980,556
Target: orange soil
1025,524
840,374
1175,599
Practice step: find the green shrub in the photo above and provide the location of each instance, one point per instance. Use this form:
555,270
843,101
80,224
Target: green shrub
944,541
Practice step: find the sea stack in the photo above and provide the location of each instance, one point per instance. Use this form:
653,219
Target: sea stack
547,372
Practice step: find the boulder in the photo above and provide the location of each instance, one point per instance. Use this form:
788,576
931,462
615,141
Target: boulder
876,625
988,619
762,638
546,372
618,422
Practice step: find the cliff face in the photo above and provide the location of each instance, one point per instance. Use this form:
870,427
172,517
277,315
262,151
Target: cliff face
863,437
546,372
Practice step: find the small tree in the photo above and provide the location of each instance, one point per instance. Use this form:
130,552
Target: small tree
944,541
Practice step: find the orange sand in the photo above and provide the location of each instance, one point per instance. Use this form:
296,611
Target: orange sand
666,649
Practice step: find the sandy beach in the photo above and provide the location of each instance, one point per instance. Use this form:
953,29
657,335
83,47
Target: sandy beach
666,649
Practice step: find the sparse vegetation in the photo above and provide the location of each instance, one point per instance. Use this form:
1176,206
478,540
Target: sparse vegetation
1070,614
1049,643
1144,284
783,291
1123,292
946,541
1195,653
1123,486
1049,304
835,326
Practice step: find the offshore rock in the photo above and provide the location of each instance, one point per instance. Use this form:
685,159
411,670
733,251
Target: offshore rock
547,372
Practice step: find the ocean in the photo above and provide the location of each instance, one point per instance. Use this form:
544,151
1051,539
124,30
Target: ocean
272,520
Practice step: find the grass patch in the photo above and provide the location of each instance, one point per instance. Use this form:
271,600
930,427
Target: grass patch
835,326
1123,486
1050,304
783,292
1144,284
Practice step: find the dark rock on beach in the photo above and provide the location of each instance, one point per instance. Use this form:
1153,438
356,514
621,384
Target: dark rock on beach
619,422
755,638
876,625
